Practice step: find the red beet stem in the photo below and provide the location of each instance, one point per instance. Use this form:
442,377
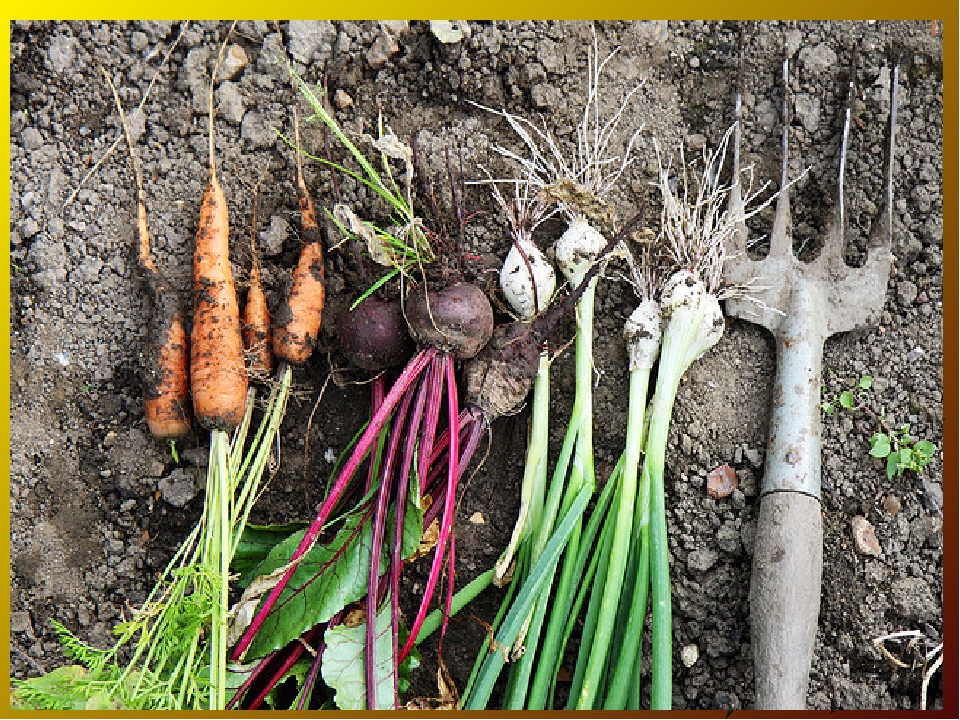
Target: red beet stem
311,677
410,373
378,389
403,486
296,651
450,503
451,583
379,527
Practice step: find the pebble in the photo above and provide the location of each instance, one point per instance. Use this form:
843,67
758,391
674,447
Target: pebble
914,354
906,292
20,622
234,62
891,503
818,59
272,239
61,53
932,496
342,100
912,599
702,560
178,488
477,518
754,457
382,49
689,655
864,538
311,38
31,139
721,482
696,142
544,96
230,102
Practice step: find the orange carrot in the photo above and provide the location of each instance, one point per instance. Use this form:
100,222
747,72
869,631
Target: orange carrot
164,370
218,378
298,319
256,313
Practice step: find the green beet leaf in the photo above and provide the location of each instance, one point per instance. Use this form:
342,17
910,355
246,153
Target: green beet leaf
343,666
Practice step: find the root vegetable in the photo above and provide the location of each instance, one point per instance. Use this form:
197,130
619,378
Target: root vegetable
500,377
164,369
298,319
374,335
457,319
218,377
256,315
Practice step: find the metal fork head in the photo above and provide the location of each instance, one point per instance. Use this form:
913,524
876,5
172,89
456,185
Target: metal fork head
833,296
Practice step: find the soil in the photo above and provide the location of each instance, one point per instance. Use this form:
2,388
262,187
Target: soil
97,506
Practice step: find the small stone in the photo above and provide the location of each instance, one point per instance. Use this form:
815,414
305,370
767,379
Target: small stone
891,503
864,538
727,701
311,38
932,496
128,505
20,622
696,142
544,96
61,53
818,59
913,600
477,518
694,62
342,100
139,41
382,49
230,103
272,239
907,292
914,354
702,560
721,482
178,488
689,655
754,457
449,32
234,62
32,139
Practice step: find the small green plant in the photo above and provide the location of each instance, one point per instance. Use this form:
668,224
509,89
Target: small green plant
902,451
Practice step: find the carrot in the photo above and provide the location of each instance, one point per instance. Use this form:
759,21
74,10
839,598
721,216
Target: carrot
298,319
256,314
164,370
218,378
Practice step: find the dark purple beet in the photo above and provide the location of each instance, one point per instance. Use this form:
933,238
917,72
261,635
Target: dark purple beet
501,376
457,319
374,335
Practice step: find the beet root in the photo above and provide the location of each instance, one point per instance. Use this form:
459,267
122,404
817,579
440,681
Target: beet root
457,319
374,335
499,379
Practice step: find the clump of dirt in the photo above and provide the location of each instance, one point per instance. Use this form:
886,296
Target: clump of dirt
93,518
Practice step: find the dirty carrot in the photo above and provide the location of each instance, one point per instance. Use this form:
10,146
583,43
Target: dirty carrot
256,314
298,319
164,370
218,378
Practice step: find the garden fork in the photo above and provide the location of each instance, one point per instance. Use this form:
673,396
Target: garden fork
802,304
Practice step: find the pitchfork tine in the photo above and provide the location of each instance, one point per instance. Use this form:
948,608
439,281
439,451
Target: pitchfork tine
781,237
833,243
738,241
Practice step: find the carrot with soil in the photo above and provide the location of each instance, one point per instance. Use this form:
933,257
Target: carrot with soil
165,369
298,319
256,313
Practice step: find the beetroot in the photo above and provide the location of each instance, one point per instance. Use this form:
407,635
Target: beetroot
499,378
456,320
374,335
